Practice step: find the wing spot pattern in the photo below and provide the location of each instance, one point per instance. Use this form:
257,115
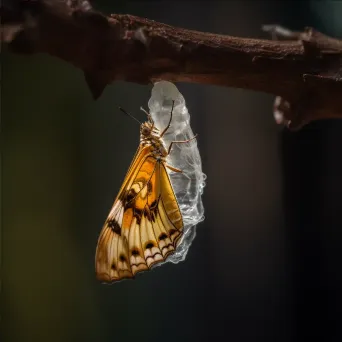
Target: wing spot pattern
114,225
172,231
149,245
135,251
122,258
162,236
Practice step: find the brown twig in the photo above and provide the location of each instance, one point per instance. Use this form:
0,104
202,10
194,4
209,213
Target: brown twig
306,72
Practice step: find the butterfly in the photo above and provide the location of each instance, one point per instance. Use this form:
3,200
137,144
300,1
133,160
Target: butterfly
145,224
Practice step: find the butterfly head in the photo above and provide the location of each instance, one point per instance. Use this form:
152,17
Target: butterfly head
146,129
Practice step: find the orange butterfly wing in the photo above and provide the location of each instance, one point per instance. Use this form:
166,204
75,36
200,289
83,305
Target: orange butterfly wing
144,225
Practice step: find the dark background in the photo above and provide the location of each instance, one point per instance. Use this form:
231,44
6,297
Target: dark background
265,265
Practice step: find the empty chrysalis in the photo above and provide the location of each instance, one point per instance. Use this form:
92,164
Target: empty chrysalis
187,185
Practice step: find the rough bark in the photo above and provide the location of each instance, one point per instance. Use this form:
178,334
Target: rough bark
306,71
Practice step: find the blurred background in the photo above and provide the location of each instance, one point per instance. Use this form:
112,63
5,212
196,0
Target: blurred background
265,264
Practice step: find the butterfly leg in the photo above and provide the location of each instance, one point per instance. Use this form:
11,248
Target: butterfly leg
173,168
168,126
180,142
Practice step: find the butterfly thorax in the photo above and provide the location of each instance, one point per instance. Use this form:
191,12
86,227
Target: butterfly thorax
149,136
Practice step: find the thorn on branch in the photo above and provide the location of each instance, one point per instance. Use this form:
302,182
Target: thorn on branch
277,31
141,35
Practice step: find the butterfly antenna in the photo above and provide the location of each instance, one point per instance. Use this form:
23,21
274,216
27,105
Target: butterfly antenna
145,111
148,114
130,115
169,124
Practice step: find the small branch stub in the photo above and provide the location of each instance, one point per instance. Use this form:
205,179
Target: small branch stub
301,112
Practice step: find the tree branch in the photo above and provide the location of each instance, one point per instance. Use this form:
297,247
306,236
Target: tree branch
306,72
